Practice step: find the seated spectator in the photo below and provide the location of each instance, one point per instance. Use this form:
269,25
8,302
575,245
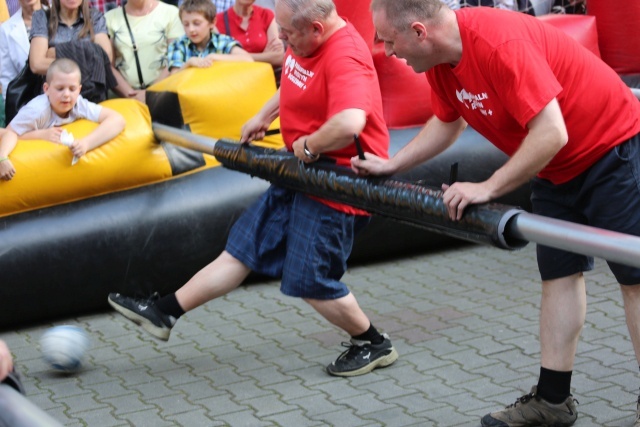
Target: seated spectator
202,45
518,5
104,6
78,33
14,42
453,4
572,7
154,26
222,5
256,29
60,104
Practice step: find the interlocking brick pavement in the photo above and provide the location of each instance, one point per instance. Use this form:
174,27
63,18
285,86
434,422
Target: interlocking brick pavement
464,320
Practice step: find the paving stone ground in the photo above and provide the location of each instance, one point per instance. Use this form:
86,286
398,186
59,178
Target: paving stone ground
464,320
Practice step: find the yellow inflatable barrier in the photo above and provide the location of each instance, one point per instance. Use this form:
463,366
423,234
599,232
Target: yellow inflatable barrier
45,177
4,11
218,100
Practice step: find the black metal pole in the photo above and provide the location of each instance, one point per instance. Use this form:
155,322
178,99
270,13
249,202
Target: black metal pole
506,227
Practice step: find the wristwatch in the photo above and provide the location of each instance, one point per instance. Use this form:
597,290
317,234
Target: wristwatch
309,154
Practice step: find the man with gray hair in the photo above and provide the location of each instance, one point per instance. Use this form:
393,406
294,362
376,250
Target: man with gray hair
329,96
571,128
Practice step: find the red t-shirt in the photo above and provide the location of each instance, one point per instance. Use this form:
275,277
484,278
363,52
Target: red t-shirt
254,39
512,66
338,76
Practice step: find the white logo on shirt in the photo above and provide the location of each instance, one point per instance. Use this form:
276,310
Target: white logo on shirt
296,74
474,102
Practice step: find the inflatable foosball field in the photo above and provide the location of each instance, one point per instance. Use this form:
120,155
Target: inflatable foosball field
140,215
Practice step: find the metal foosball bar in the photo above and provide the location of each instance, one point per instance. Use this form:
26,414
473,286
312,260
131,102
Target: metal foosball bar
18,411
503,226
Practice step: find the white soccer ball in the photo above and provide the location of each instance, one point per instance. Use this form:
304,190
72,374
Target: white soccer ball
64,347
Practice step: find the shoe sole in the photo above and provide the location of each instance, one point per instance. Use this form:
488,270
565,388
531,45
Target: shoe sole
382,362
503,423
153,330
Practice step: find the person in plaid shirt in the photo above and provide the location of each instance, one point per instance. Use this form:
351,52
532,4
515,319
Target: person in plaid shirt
222,5
202,45
105,6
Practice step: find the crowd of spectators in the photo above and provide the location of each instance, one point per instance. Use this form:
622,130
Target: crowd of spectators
123,46
132,38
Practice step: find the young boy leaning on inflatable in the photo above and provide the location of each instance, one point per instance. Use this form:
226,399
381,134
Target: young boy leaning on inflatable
60,104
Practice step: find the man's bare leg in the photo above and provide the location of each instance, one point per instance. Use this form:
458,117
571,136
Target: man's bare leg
631,299
158,315
369,349
343,312
218,278
562,313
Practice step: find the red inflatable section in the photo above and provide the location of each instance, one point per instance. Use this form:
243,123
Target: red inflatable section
406,95
618,31
580,27
358,13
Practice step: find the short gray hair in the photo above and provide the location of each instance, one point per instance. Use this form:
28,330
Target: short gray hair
401,13
307,11
64,66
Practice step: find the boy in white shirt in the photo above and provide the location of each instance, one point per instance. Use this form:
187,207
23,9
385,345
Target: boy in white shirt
60,104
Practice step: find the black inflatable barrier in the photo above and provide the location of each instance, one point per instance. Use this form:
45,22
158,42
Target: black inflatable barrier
63,261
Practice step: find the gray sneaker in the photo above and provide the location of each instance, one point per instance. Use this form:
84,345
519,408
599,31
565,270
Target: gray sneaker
145,313
362,357
531,410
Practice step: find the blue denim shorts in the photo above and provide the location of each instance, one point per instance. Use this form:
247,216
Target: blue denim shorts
607,195
289,235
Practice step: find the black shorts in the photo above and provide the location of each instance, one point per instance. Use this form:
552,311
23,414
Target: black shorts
607,195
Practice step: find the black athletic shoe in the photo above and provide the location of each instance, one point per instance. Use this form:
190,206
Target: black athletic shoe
363,357
144,313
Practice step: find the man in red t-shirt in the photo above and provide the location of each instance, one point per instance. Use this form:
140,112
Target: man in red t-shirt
569,125
329,94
